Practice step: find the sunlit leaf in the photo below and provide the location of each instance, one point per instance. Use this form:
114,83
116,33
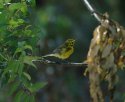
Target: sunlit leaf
37,86
15,6
20,21
28,47
21,48
13,23
29,60
27,75
7,1
18,50
24,8
1,5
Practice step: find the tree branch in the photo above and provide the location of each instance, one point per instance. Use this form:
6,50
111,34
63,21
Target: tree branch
48,62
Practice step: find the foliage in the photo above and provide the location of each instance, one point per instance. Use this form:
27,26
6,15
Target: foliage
17,37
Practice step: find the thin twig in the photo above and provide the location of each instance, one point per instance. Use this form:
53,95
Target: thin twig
48,62
92,10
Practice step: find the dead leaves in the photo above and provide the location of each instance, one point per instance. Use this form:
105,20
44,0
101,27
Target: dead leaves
106,49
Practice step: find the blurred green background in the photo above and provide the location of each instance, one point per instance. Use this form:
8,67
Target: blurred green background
57,21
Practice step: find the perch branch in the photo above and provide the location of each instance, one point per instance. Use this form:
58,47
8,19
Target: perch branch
48,62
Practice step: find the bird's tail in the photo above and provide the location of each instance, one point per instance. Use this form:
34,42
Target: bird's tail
48,55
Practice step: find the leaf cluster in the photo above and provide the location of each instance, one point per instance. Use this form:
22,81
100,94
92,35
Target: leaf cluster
17,37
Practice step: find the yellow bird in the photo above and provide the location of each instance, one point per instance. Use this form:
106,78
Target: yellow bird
63,51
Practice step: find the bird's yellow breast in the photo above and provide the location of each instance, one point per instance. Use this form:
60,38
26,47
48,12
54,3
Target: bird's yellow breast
65,53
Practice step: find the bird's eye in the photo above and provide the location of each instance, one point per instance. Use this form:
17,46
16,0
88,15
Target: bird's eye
71,43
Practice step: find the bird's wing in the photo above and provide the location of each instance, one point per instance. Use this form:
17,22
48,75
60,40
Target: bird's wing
59,49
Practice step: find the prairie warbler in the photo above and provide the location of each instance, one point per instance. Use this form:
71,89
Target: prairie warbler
64,50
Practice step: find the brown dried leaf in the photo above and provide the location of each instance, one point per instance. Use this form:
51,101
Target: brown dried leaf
106,51
94,51
109,61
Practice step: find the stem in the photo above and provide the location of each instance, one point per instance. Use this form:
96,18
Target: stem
92,10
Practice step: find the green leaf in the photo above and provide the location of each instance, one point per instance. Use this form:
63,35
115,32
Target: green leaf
12,67
28,47
28,32
32,99
25,96
20,69
13,88
28,98
1,5
13,23
24,9
28,60
18,50
18,96
1,1
22,47
12,77
37,86
15,6
27,75
21,44
16,66
7,1
20,21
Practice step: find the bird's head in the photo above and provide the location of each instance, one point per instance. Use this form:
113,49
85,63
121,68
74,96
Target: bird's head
70,42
